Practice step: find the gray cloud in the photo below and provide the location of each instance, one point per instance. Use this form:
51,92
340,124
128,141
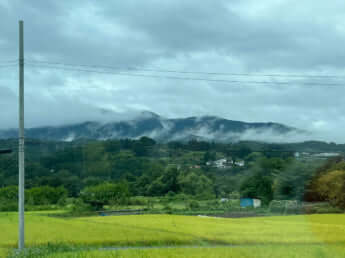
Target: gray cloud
225,36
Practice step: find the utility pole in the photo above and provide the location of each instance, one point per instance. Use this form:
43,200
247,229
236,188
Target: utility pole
21,138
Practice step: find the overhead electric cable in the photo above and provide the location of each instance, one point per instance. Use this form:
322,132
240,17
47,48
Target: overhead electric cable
188,72
182,78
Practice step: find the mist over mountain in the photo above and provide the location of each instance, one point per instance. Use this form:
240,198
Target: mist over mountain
208,128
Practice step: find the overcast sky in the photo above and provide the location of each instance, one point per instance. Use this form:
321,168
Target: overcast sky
231,36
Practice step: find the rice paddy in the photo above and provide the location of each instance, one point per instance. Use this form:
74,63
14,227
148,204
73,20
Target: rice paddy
287,236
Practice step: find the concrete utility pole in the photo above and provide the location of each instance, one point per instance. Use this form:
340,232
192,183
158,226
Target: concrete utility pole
21,138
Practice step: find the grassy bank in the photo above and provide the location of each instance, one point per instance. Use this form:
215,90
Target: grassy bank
265,251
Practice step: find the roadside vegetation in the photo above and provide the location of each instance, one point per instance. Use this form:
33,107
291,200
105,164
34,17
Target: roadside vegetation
259,251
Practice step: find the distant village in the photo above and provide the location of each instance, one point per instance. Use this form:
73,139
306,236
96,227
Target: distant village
228,163
225,163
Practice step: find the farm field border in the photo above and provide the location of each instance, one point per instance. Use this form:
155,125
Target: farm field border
245,251
264,251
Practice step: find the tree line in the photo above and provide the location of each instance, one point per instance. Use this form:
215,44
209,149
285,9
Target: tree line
118,169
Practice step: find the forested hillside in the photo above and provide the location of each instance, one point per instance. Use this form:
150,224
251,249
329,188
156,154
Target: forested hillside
145,168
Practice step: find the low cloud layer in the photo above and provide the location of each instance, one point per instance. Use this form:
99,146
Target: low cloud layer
270,37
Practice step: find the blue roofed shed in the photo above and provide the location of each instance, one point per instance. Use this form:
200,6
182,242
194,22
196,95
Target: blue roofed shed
250,202
246,202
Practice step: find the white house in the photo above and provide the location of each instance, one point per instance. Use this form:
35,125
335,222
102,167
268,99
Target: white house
225,163
221,163
240,163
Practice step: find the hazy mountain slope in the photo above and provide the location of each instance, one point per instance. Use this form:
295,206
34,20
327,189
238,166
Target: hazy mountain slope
162,129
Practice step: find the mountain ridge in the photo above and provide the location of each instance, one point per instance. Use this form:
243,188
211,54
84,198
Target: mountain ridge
210,128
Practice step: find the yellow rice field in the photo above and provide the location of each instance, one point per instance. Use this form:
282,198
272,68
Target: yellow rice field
251,236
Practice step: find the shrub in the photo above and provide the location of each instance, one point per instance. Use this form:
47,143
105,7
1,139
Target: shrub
170,195
234,195
79,206
319,207
231,205
105,194
181,197
9,194
45,195
193,205
137,201
167,208
9,206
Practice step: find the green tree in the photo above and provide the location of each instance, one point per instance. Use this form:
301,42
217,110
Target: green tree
291,182
331,187
104,194
209,156
144,146
257,186
197,185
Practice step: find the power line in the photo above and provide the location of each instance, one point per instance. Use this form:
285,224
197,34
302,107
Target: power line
188,72
181,78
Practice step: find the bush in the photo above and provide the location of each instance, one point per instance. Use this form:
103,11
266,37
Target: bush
234,195
105,194
319,207
9,206
150,204
170,195
231,205
163,200
79,206
9,194
9,198
193,205
168,209
40,207
327,210
45,195
181,197
138,201
213,203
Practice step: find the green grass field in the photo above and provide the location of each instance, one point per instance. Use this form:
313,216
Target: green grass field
289,236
